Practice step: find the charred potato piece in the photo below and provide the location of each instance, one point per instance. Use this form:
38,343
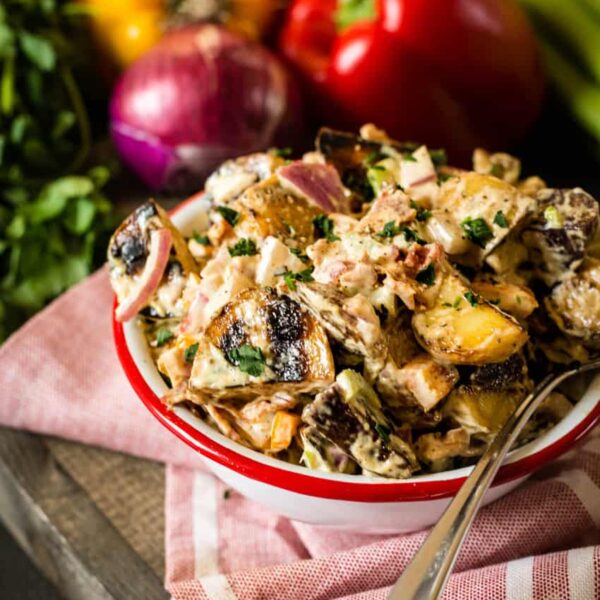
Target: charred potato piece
236,175
265,342
558,236
349,414
350,155
462,328
574,304
268,209
482,412
500,376
128,251
322,455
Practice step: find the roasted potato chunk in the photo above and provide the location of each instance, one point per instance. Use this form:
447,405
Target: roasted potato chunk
482,412
462,328
486,208
559,234
268,209
574,304
517,300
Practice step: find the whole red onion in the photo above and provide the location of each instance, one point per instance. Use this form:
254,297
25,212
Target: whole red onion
202,95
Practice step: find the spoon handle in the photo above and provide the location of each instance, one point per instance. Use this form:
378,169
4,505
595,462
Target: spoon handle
426,575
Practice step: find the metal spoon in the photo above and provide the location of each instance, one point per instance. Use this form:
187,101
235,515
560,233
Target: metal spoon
426,575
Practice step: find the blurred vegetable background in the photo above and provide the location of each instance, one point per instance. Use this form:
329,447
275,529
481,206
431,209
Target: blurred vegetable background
181,85
569,35
53,222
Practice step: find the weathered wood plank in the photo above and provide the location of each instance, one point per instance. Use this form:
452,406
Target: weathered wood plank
62,529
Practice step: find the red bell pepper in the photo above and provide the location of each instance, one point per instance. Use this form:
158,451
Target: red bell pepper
456,73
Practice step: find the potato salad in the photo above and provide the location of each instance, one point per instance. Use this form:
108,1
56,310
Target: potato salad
367,308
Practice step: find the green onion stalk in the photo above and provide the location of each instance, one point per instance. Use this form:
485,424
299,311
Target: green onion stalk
569,35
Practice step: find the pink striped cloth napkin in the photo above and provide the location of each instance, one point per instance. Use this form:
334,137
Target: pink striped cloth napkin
60,376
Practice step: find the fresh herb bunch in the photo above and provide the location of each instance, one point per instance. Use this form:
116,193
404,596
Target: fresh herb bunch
53,223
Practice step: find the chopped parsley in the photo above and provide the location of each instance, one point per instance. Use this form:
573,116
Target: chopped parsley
290,278
439,157
298,252
163,335
243,247
373,157
201,239
190,353
497,170
500,219
443,177
230,215
324,226
248,359
282,152
410,235
426,275
383,431
422,213
477,231
377,168
472,298
390,230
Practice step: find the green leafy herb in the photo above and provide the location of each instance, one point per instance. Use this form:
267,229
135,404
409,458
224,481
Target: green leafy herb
383,431
443,177
477,231
426,275
248,359
422,213
230,215
283,152
290,278
390,230
497,170
500,219
298,252
243,247
324,228
472,299
163,335
410,235
408,157
201,239
438,157
190,353
373,157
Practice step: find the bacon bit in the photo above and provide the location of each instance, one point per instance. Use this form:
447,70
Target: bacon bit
393,206
420,257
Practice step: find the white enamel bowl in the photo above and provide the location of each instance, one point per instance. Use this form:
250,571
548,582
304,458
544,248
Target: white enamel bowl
358,503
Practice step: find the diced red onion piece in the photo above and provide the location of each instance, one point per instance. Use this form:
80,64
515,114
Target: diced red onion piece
317,183
156,263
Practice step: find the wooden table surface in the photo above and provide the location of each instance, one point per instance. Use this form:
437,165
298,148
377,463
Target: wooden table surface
92,520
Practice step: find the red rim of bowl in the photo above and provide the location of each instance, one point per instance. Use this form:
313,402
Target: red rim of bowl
311,484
